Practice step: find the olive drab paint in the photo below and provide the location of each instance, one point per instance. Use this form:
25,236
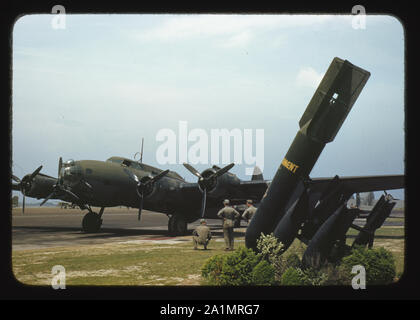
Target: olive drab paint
322,119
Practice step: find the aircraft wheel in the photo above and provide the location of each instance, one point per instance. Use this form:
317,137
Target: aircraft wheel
177,226
91,222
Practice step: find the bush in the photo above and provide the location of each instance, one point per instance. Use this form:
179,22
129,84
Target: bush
212,269
303,277
293,261
233,269
379,265
313,277
270,249
263,274
293,277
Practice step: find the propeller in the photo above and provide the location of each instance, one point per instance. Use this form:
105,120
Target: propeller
144,185
25,184
59,188
206,182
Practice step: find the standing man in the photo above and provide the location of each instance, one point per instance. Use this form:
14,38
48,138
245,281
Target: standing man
249,212
201,235
228,214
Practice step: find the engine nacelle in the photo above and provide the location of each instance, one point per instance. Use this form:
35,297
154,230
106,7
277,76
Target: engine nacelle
147,188
217,186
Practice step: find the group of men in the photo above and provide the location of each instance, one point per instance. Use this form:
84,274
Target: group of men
202,234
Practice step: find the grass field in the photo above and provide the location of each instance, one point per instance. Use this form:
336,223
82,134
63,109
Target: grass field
145,263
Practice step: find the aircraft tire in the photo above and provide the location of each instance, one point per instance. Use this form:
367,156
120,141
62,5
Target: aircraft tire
177,226
91,223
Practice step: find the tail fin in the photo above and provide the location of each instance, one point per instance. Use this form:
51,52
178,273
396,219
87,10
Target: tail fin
257,174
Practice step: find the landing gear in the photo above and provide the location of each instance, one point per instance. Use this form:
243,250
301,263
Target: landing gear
92,221
177,226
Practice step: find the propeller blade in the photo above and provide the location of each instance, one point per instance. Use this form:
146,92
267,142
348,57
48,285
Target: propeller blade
140,208
35,173
203,203
15,178
192,170
71,194
158,177
46,199
218,173
87,184
16,186
60,164
23,204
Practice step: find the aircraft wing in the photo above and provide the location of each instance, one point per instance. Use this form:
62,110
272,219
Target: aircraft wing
255,190
361,183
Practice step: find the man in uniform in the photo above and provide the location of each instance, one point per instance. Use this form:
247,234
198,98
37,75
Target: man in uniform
249,212
228,214
201,235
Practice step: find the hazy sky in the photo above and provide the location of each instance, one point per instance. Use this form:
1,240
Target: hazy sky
95,88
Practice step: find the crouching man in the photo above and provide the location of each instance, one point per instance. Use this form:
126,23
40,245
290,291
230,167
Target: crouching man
202,235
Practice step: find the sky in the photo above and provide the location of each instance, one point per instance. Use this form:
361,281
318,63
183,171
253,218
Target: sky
93,89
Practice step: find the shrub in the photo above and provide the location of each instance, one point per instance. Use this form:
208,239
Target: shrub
293,261
212,269
238,267
270,249
303,277
334,275
313,277
263,274
233,269
379,265
293,277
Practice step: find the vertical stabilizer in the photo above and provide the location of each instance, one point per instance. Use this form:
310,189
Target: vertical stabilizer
257,174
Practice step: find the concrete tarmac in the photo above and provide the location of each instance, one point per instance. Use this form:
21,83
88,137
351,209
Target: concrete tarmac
53,227
43,227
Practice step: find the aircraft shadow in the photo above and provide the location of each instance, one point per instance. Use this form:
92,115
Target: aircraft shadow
103,233
115,232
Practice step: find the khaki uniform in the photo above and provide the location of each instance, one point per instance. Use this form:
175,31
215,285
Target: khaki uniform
248,213
201,235
229,215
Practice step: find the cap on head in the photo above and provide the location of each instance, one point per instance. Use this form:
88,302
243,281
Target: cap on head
226,201
202,220
249,201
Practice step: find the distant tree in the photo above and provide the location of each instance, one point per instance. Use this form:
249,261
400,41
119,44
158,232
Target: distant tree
15,201
369,198
357,200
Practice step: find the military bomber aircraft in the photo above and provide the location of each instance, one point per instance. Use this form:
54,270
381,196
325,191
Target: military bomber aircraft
300,206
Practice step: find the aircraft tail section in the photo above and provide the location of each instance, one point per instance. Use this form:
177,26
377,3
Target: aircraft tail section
257,174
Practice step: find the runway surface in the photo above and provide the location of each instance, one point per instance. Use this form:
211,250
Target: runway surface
54,227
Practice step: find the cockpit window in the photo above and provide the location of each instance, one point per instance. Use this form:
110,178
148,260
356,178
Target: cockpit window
126,163
113,160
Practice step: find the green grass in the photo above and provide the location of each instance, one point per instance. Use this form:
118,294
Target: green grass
117,264
149,264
